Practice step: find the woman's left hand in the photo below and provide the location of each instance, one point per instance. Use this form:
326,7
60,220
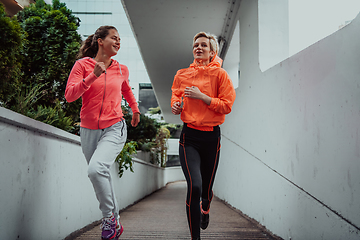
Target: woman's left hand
135,119
194,92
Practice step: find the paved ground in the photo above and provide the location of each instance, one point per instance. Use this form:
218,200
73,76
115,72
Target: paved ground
162,216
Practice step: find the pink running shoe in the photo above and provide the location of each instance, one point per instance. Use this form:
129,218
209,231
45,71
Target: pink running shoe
119,228
108,227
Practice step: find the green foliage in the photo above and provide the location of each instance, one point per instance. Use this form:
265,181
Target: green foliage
124,159
161,140
145,131
11,37
25,101
50,48
149,135
173,128
159,150
38,48
156,110
54,116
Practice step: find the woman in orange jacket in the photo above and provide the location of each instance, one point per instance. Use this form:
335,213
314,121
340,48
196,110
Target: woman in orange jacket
101,82
203,94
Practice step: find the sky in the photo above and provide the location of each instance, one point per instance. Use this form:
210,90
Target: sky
312,20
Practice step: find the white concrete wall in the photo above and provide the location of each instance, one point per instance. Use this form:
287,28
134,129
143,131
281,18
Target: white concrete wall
173,174
290,155
273,32
44,189
173,146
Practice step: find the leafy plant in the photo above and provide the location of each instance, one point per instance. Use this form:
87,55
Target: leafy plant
38,48
24,101
50,47
11,39
54,116
161,144
156,110
124,159
145,131
173,128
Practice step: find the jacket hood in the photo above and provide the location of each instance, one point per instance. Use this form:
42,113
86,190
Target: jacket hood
215,62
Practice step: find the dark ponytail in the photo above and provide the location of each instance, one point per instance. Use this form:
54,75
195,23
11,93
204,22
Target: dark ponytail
90,46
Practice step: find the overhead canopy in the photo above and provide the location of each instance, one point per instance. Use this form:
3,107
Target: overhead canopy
164,31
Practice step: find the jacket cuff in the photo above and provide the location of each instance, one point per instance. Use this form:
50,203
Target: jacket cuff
89,80
135,109
213,104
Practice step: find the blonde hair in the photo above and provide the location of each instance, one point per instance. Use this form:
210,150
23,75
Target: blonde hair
214,46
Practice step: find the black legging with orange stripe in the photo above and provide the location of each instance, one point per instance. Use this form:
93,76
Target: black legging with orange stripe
199,157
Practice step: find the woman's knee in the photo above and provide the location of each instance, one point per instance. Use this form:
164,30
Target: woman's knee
92,172
196,191
97,170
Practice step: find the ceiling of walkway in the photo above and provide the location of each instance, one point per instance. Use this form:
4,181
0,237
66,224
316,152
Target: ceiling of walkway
164,30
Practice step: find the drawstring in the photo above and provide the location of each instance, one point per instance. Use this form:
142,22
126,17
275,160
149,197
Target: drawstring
120,69
122,129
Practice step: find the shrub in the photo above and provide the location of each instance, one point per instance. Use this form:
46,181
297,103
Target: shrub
11,39
124,159
50,48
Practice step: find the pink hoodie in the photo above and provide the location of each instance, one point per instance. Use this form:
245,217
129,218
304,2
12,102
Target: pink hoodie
101,96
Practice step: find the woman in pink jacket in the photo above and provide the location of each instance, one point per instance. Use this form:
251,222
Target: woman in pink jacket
101,82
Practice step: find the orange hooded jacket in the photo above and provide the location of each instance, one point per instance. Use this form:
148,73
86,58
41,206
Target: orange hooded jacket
101,96
213,81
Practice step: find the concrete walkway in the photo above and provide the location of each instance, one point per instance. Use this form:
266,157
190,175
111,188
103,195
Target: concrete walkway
162,216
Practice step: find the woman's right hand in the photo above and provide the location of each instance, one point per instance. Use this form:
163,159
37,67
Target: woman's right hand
176,108
99,68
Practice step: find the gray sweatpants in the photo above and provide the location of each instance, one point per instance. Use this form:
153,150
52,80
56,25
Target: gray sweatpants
100,148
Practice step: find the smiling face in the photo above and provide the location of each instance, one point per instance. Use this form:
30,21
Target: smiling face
111,44
201,50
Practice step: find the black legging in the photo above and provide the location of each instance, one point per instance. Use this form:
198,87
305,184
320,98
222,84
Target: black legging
199,157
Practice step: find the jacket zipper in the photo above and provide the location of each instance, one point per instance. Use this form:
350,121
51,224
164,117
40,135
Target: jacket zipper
102,103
